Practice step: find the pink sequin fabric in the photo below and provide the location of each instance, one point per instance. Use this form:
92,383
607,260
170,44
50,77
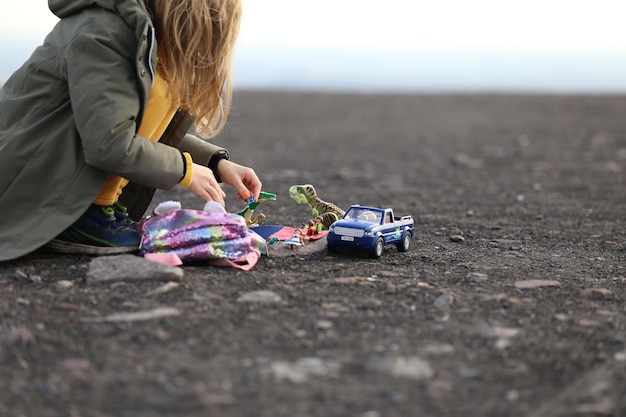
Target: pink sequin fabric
197,236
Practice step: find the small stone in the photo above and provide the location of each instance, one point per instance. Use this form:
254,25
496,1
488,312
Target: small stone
405,367
64,284
503,343
318,366
371,303
476,276
299,371
324,324
457,238
335,308
286,371
470,373
20,274
75,366
21,335
163,289
36,279
536,283
588,323
504,332
439,349
512,395
389,274
506,244
598,293
349,280
371,414
444,301
260,297
157,313
130,268
466,161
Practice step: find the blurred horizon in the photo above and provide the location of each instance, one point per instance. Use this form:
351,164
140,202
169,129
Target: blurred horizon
446,70
403,46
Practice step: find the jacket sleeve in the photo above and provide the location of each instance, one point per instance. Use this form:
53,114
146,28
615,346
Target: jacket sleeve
201,151
104,80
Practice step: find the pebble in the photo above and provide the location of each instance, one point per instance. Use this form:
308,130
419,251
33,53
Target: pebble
457,238
439,349
324,324
466,161
18,335
371,303
299,371
597,293
349,280
506,244
64,284
130,268
75,366
411,367
476,276
444,301
163,289
260,297
470,373
536,283
156,313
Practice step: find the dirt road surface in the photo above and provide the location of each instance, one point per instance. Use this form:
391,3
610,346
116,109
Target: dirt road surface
510,301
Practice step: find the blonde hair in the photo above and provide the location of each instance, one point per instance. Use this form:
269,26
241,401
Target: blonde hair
196,40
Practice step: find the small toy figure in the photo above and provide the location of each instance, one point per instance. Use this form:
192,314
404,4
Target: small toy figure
306,194
269,242
296,240
310,228
319,225
250,199
251,204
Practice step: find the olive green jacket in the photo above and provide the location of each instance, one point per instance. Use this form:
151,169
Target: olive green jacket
69,117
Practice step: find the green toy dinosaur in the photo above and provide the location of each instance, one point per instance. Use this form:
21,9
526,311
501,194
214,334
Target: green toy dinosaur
248,210
306,194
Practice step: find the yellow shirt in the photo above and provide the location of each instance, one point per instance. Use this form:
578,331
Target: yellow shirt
157,116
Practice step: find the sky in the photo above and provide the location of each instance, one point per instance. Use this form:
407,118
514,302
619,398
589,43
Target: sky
413,45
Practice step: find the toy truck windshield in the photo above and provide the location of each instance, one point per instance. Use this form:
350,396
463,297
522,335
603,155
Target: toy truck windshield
364,214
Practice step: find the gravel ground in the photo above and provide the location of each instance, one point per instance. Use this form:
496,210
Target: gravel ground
510,301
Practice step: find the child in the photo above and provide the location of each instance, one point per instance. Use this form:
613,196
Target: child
105,101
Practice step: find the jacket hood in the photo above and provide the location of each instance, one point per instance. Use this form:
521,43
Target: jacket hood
133,12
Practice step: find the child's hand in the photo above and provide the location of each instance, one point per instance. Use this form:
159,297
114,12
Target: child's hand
205,186
242,178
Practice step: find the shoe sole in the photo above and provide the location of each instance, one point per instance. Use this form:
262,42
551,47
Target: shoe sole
61,246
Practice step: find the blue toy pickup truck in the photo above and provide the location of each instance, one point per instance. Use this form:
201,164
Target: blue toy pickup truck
371,229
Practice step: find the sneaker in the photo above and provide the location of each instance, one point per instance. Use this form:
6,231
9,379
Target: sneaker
121,215
97,232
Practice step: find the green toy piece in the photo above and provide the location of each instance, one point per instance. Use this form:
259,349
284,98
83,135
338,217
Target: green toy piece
306,194
248,210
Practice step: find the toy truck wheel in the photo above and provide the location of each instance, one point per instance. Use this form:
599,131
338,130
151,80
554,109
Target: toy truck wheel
378,249
406,242
332,249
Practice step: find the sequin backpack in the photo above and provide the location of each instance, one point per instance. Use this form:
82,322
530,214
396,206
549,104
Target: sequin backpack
200,236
